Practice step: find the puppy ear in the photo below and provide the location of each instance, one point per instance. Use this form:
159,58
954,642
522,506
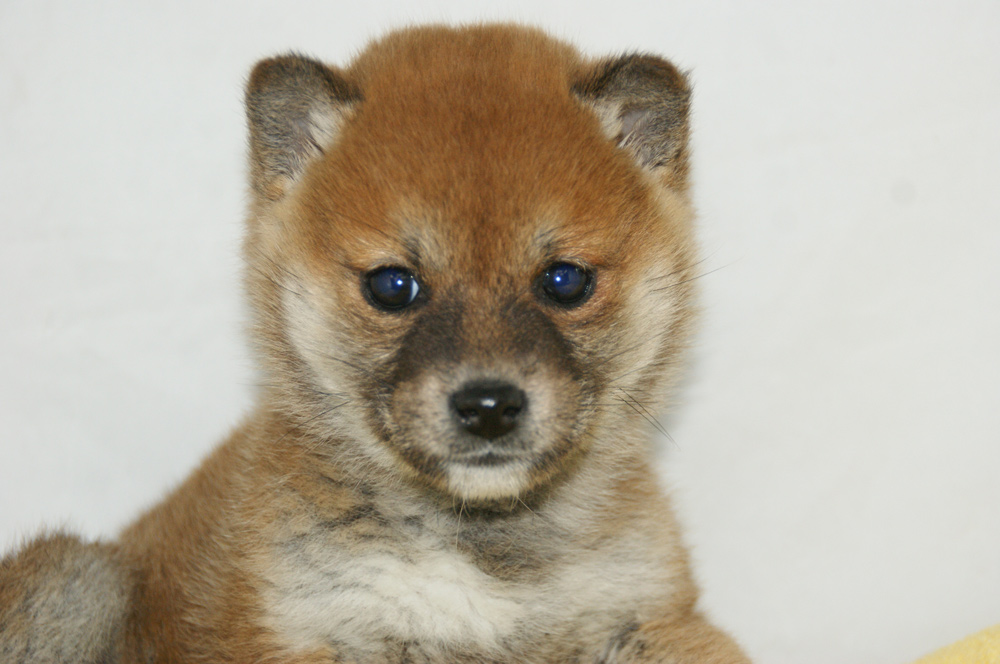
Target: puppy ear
642,102
295,109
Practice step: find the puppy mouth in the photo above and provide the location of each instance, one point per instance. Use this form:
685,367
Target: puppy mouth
488,456
487,475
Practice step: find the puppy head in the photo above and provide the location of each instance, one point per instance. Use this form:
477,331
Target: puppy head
469,251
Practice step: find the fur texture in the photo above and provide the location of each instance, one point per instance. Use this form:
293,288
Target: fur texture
362,513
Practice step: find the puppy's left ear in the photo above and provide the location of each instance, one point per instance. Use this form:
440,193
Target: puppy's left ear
642,102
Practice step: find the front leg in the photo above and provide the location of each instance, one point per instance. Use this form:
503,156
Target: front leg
689,639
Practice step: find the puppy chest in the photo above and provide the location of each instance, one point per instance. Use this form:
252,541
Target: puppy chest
319,595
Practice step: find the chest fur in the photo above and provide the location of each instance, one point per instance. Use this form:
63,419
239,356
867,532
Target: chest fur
430,601
364,600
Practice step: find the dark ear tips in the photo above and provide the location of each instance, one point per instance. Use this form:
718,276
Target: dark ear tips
642,101
295,74
295,107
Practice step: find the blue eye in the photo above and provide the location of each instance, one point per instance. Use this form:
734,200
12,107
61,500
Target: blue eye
565,283
392,287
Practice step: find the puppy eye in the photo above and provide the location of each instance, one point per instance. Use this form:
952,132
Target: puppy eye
566,284
392,287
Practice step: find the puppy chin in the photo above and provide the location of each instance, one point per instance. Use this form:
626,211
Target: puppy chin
489,480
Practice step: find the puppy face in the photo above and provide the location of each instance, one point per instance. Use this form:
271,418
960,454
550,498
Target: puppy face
469,251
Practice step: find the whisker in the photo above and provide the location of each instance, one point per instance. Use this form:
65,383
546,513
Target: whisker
650,417
276,265
652,422
368,372
309,388
278,284
618,354
458,527
661,277
688,280
301,426
525,505
627,373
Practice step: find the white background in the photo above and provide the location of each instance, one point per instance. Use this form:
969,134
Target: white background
837,445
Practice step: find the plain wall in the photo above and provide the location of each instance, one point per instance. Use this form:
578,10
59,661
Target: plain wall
835,451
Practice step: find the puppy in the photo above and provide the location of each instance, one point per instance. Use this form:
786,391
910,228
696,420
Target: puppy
469,267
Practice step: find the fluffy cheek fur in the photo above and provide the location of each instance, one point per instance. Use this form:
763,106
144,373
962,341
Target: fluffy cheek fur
339,365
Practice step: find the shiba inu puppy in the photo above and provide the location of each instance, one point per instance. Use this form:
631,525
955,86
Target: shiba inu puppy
469,263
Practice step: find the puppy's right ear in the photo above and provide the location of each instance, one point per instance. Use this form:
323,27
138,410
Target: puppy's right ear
295,109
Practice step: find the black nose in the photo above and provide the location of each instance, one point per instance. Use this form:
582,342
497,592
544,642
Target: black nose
488,410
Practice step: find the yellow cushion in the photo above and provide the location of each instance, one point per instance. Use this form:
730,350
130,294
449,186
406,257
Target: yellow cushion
981,648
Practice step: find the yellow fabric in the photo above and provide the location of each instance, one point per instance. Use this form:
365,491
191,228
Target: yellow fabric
981,648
